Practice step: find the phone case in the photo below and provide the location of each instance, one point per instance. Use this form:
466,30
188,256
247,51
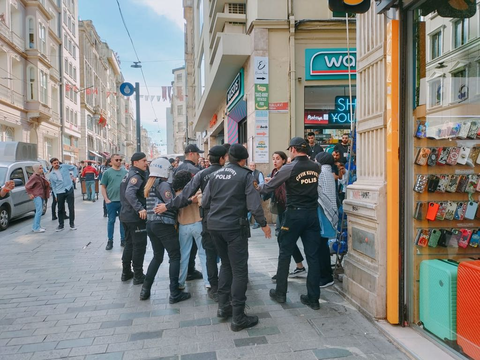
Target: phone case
475,239
452,185
472,183
423,238
432,211
432,158
442,210
465,238
462,184
421,132
444,238
464,129
422,156
453,156
474,154
460,212
472,133
451,208
471,210
463,155
433,181
419,211
434,237
477,188
454,129
443,183
455,238
421,183
443,155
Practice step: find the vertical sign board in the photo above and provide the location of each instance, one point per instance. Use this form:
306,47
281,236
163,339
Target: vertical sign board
261,152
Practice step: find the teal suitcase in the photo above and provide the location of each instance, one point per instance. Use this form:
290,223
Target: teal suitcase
438,297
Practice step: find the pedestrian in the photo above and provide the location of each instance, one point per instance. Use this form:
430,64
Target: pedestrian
343,147
108,165
133,215
217,155
300,220
313,147
89,173
6,188
38,189
62,187
161,229
110,188
328,215
260,179
230,194
279,199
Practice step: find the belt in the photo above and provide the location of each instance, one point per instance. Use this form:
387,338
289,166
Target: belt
299,208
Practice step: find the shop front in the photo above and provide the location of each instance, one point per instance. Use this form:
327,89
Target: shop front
440,167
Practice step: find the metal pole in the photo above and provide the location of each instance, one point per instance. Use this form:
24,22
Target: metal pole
137,99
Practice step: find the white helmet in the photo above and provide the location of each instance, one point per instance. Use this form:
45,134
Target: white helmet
160,168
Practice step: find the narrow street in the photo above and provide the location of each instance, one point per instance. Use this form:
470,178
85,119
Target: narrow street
61,297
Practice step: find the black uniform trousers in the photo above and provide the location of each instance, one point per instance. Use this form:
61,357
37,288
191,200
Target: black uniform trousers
164,237
211,254
69,197
301,223
135,247
232,247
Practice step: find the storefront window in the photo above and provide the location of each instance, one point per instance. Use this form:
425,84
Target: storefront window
443,168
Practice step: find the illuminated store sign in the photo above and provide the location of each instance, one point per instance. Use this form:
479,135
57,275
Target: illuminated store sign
330,64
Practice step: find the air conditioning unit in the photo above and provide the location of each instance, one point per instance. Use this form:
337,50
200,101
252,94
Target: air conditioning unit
234,8
18,151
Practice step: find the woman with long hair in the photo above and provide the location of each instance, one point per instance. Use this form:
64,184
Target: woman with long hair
162,231
279,197
38,189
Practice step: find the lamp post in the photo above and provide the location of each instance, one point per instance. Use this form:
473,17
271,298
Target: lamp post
137,100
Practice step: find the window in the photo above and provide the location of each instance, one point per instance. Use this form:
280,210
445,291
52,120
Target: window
75,122
89,123
69,23
201,75
73,28
42,38
65,16
31,34
65,42
459,86
436,45
200,15
70,69
67,114
179,109
43,87
236,9
460,32
29,171
179,77
74,51
66,65
66,140
18,174
31,83
435,89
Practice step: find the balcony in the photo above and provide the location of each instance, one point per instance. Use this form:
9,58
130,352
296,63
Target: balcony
219,24
35,109
10,96
15,40
217,6
229,53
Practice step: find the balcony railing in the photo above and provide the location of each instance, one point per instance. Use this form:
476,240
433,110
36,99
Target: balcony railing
11,96
11,37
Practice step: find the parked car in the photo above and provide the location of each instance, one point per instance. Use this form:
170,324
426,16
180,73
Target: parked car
18,203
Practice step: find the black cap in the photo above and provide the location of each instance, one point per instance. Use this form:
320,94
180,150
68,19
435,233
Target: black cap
138,156
297,142
238,152
324,158
217,150
192,148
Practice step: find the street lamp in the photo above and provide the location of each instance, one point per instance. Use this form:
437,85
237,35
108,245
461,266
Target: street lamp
136,65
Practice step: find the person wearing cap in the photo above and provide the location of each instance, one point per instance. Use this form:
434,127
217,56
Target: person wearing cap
300,220
133,215
229,195
217,155
192,156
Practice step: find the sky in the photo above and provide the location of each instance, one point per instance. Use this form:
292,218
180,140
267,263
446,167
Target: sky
157,30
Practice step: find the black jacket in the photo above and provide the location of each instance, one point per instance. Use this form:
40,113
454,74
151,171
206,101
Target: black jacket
132,197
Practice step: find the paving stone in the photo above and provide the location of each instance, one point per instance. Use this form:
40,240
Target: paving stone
135,315
146,335
50,354
163,312
110,306
263,331
332,353
88,350
198,322
38,347
200,356
119,323
108,356
19,333
26,340
251,341
74,343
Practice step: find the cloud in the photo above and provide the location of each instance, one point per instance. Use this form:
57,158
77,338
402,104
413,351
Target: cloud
171,9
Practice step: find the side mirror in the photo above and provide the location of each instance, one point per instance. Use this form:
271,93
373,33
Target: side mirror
18,182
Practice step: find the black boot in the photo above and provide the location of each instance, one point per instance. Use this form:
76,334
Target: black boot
242,321
212,293
127,272
139,278
180,296
145,292
224,312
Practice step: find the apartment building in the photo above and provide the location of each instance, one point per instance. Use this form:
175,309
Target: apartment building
170,127
179,111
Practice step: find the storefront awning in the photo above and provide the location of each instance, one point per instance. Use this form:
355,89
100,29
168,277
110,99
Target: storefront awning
95,153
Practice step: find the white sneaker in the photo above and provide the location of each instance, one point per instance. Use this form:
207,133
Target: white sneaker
41,230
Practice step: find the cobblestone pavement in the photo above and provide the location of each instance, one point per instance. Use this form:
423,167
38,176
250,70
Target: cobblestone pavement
61,297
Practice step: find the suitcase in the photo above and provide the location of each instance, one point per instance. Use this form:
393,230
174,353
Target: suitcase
468,312
438,297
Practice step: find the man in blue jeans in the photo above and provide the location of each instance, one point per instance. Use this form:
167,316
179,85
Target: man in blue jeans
62,188
110,187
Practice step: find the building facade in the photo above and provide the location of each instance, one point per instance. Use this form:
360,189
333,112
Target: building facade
178,110
170,127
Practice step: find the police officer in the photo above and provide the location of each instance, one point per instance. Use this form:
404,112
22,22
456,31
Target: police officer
133,215
230,194
300,220
217,156
192,156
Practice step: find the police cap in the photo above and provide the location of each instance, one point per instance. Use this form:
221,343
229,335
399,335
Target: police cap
297,142
238,152
192,148
138,156
217,150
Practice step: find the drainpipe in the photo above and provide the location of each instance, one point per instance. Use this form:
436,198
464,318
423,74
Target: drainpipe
62,84
292,72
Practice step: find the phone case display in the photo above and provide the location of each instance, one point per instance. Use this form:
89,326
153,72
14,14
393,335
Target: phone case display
445,215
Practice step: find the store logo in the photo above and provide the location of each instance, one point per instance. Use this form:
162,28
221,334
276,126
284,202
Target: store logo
330,63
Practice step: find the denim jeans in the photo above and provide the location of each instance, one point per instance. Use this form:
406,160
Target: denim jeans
113,210
90,184
188,233
38,201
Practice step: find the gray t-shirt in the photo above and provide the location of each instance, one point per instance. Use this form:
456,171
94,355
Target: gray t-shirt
112,179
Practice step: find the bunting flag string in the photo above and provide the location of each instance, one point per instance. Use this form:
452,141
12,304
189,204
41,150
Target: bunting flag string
166,93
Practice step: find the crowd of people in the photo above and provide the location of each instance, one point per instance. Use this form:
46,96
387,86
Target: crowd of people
204,206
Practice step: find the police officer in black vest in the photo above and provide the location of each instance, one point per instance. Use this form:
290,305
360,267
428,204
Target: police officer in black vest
300,220
229,195
217,155
133,215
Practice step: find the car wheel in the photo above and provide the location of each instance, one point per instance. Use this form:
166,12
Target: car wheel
4,218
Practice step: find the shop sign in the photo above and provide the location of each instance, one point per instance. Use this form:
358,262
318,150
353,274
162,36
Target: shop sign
278,107
330,64
213,121
261,149
316,117
261,96
343,110
235,91
261,70
261,123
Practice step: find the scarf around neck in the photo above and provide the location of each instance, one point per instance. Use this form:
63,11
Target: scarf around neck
327,196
